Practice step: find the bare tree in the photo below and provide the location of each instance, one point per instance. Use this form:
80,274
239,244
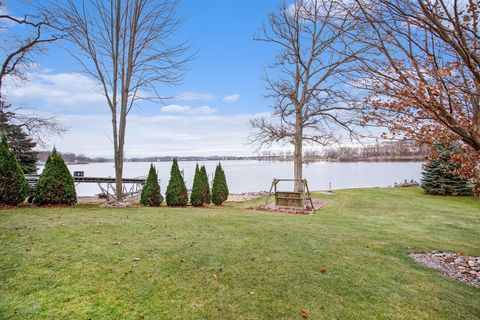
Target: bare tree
423,71
306,79
19,50
125,45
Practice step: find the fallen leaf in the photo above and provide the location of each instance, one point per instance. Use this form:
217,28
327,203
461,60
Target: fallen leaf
304,314
323,270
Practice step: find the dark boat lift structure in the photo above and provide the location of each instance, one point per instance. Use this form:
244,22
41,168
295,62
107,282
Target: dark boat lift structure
131,186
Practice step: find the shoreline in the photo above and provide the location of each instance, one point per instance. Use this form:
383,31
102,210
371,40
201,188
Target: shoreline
244,196
307,162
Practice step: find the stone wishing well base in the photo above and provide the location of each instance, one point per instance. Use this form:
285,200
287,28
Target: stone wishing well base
317,204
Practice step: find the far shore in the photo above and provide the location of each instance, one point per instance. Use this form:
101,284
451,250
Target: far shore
306,162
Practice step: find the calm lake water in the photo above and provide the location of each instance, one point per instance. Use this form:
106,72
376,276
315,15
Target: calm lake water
251,175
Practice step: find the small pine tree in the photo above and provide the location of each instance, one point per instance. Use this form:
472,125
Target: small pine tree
177,193
438,177
220,188
55,185
225,191
151,191
19,142
206,197
196,198
13,185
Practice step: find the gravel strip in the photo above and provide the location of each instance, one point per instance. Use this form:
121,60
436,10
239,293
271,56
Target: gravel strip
456,266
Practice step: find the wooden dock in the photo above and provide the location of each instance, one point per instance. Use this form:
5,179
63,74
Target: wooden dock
106,184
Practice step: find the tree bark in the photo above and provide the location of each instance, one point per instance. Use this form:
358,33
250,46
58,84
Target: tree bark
121,148
298,158
118,177
118,156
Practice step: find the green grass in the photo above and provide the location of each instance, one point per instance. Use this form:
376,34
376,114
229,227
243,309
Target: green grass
63,263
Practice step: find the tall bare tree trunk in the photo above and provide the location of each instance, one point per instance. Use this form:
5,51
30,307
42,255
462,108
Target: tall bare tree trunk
298,158
126,41
118,178
118,157
121,148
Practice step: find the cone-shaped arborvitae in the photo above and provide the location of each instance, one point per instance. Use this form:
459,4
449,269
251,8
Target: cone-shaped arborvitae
206,197
220,188
13,185
151,191
177,194
196,198
438,177
55,185
225,190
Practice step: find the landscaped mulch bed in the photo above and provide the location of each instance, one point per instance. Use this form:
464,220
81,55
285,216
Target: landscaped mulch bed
452,265
317,204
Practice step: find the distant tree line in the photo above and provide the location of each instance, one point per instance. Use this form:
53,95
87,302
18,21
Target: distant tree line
406,150
389,151
71,157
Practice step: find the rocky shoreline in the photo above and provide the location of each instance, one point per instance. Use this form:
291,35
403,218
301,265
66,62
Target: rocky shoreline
455,266
233,197
245,196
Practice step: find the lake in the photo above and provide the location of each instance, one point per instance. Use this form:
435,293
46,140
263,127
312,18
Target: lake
252,175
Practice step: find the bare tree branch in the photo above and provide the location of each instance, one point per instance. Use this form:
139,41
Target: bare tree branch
22,51
422,71
18,54
307,77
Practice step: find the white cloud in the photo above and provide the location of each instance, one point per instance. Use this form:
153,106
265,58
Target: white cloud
195,96
231,98
206,110
175,129
57,92
159,135
176,108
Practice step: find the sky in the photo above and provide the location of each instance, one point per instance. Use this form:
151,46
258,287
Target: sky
222,89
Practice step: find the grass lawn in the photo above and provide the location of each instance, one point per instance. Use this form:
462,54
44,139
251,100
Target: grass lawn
231,263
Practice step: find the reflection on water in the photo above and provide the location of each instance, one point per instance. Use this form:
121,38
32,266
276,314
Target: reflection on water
251,175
